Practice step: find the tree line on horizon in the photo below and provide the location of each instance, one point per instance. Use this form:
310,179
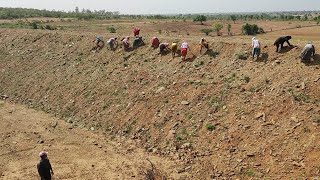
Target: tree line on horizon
86,14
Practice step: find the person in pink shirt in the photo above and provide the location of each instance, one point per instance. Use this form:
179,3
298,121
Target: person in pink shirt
126,43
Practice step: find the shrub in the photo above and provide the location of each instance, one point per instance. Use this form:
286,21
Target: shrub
206,31
251,29
211,127
217,28
112,30
229,29
34,25
50,27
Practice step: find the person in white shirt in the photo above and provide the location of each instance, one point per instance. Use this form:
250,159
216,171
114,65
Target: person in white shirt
184,50
256,47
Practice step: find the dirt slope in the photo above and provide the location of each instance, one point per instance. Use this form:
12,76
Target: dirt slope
222,116
74,153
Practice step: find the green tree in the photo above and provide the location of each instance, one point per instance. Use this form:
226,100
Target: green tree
233,18
217,28
207,31
200,18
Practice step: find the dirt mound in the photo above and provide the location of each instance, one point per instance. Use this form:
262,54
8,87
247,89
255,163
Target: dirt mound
220,115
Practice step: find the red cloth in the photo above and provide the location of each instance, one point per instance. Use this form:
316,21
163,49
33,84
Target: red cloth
136,31
155,42
184,52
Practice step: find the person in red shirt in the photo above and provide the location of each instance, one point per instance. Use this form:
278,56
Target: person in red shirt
136,32
155,42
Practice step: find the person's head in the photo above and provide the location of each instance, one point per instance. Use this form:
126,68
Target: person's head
288,37
202,39
115,38
43,155
254,38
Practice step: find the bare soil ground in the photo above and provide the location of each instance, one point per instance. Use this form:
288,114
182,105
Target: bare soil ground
74,153
220,114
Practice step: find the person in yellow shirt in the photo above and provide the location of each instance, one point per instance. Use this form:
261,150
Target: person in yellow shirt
174,49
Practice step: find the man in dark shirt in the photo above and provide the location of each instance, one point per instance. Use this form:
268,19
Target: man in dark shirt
44,166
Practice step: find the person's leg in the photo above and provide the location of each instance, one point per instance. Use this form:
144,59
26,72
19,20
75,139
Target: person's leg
253,52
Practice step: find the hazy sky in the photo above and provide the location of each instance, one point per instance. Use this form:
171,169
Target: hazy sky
168,6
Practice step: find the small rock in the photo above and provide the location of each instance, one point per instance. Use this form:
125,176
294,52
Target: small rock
185,103
277,61
92,129
40,141
160,89
303,85
69,121
54,124
186,146
4,97
260,115
181,171
187,168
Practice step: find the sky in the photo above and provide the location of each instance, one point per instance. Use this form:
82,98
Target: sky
168,6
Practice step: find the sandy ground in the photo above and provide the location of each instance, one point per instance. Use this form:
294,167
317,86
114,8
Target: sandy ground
74,153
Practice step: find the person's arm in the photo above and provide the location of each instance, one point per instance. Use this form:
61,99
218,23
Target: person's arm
39,171
51,168
313,50
288,42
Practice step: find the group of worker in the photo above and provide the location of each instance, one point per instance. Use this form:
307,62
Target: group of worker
306,54
155,43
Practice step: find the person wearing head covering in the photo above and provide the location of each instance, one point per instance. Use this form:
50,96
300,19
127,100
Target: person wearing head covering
203,44
44,167
126,43
184,50
307,52
256,47
155,42
174,48
136,32
99,43
138,41
163,47
112,43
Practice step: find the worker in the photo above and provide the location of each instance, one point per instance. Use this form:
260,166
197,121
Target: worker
44,167
138,41
308,52
163,47
126,43
112,43
256,47
136,32
174,48
99,43
203,44
281,40
155,42
184,50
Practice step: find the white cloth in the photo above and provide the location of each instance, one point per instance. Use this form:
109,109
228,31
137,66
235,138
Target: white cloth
184,45
255,43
